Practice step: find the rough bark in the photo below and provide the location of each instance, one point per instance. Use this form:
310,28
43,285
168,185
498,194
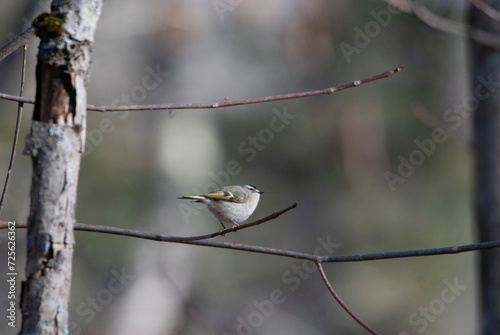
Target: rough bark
56,160
486,84
55,145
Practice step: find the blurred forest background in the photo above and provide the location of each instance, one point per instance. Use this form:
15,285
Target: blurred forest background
331,154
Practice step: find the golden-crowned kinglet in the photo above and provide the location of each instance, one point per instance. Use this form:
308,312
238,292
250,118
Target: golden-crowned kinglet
231,204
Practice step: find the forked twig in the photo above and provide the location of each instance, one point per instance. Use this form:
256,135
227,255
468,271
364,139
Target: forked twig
179,239
274,251
318,260
341,302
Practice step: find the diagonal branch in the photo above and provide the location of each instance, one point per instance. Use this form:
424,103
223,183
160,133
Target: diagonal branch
341,302
254,223
178,239
16,42
225,102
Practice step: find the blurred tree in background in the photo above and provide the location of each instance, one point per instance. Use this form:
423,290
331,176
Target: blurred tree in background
486,71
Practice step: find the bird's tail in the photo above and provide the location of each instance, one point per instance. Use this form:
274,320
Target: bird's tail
192,197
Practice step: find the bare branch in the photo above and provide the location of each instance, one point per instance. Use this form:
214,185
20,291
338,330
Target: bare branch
16,98
225,102
15,43
318,260
181,239
277,252
178,239
255,223
341,302
16,132
411,253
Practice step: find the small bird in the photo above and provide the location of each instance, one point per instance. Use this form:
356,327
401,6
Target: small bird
231,204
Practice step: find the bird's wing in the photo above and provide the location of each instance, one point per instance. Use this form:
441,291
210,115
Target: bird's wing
219,195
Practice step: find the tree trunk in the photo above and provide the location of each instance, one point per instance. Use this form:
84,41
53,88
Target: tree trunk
486,81
55,144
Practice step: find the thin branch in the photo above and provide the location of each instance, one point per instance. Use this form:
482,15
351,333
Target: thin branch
16,42
179,239
341,302
257,222
412,253
195,240
16,133
278,252
225,102
17,98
